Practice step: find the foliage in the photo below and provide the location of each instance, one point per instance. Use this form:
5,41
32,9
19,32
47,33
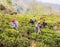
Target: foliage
26,33
2,7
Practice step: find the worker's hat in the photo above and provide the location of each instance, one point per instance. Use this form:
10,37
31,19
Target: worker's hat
12,20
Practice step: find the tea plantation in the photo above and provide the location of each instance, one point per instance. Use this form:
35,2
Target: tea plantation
26,34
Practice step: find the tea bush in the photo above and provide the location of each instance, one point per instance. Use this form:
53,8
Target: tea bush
26,33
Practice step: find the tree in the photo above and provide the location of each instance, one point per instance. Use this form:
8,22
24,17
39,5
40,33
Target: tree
2,7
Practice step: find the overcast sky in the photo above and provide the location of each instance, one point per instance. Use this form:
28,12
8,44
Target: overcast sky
50,1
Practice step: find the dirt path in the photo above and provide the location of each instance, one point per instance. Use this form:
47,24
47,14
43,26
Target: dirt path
32,44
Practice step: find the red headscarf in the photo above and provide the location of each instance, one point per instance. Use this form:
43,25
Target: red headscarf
13,20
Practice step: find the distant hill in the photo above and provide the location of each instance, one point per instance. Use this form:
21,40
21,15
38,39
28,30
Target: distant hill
55,6
31,6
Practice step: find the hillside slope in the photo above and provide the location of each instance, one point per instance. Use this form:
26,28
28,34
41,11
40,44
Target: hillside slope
26,36
8,5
